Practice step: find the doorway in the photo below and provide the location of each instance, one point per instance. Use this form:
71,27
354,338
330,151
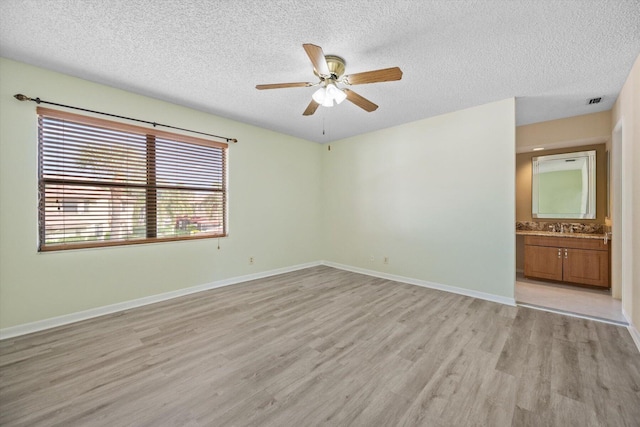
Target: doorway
592,302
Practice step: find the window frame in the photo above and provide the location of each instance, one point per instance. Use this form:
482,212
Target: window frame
151,220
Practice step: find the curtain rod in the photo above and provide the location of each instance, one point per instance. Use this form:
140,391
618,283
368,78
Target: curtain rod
21,97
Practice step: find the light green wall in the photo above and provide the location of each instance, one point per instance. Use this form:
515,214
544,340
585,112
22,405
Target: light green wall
436,196
274,207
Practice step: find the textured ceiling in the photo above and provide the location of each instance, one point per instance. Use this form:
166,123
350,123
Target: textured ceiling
209,55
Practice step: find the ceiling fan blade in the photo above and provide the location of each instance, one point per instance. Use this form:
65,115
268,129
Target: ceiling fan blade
283,85
384,75
316,55
311,108
360,101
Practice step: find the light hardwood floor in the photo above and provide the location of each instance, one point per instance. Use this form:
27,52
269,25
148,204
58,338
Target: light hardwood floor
323,347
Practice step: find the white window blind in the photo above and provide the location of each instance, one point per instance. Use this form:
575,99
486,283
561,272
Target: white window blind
104,183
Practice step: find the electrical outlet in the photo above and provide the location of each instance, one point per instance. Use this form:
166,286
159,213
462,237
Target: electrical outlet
386,260
251,259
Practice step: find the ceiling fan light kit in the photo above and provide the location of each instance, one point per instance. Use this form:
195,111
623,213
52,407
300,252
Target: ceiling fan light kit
325,96
330,70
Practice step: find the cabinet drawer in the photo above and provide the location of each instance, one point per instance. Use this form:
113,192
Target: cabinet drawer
567,242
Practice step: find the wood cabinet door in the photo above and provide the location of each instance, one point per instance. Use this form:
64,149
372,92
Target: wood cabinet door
543,262
586,267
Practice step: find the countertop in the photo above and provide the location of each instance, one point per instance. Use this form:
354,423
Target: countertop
557,234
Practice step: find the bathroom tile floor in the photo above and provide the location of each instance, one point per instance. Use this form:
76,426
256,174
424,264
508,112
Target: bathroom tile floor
585,301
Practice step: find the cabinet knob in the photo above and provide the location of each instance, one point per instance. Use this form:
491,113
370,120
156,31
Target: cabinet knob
559,253
566,253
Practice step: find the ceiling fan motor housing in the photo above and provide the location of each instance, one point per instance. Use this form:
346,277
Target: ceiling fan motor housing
336,66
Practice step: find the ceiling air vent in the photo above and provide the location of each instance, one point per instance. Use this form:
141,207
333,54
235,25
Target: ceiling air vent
594,101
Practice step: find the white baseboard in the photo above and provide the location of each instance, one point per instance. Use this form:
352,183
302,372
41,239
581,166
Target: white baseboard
54,322
633,331
453,289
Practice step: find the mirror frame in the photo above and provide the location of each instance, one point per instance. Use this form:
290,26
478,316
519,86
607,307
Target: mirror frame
608,178
591,185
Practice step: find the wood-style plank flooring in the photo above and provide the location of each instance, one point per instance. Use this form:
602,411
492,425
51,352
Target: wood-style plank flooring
323,346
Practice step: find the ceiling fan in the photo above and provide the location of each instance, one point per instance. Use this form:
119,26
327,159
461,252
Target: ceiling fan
330,70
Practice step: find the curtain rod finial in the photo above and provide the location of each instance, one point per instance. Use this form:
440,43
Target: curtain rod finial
21,97
233,140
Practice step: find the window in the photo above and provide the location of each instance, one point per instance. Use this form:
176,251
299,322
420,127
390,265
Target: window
104,183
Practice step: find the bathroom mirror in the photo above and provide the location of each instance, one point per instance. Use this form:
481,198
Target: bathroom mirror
563,186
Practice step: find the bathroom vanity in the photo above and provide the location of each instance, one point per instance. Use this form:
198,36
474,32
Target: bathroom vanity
567,257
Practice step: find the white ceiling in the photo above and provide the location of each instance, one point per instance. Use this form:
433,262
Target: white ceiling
209,55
